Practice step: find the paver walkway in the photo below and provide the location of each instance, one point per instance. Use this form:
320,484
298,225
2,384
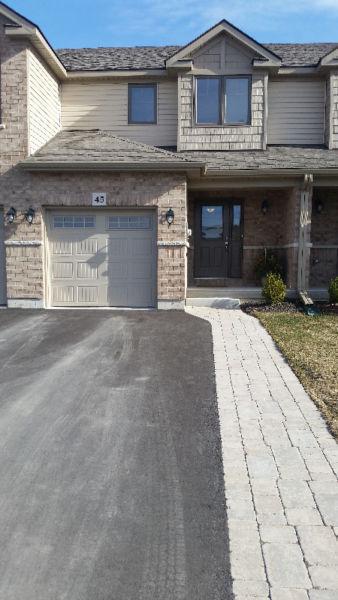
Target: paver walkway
280,468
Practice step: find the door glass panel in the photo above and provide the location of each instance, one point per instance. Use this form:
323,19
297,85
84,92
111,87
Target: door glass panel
236,215
212,222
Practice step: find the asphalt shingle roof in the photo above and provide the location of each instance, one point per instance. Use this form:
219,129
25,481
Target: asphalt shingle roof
154,57
273,158
103,148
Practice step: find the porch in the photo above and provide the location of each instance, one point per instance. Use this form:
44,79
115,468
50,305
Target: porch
231,230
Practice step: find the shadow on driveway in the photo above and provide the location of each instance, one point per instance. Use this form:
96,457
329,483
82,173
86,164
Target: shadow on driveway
111,482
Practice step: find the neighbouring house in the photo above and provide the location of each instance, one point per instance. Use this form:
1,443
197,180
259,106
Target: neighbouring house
143,176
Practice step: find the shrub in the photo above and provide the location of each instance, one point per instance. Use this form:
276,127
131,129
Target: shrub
274,289
333,290
268,262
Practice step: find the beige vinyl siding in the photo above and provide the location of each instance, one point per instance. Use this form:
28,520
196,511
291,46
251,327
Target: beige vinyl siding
44,103
104,105
296,112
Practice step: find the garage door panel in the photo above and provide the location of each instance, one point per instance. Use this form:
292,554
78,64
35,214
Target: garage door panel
140,270
63,294
87,246
106,260
88,294
2,261
62,270
61,247
140,247
86,270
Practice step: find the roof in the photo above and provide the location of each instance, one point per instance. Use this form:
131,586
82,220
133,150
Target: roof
274,158
103,150
154,57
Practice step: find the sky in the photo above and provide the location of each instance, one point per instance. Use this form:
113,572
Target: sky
92,23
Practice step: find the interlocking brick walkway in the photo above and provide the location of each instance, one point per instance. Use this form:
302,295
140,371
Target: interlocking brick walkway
280,468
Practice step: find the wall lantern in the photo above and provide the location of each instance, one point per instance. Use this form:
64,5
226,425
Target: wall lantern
265,207
11,215
29,215
170,216
319,206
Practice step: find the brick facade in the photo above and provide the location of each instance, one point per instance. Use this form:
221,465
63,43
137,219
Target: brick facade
25,265
324,238
13,100
246,137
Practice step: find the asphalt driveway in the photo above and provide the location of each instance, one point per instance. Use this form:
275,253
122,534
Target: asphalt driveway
111,482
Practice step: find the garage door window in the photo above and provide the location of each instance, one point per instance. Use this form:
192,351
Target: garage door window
119,222
73,222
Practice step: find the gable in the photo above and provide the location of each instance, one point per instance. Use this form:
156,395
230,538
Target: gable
223,54
258,51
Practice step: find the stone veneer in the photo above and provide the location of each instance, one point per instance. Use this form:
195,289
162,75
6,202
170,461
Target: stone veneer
224,137
331,125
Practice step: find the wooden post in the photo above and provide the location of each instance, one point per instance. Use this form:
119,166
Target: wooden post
305,234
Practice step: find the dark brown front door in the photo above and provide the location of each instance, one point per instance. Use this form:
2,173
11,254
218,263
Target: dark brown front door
218,239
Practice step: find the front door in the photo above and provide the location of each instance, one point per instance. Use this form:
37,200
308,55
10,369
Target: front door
218,239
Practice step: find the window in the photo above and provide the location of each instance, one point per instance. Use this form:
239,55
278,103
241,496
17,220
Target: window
134,222
222,100
73,222
142,103
212,222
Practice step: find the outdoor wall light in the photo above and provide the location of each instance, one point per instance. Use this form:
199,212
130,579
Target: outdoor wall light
319,206
11,215
265,207
170,216
29,215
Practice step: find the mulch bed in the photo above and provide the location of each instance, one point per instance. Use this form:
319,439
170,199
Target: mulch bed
287,307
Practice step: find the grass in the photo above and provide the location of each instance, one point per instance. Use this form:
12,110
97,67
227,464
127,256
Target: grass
310,345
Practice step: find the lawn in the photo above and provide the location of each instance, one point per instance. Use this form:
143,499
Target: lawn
310,345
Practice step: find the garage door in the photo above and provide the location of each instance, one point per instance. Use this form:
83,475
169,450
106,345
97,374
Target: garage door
2,261
105,258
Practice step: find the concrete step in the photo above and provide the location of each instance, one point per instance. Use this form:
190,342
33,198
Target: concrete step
227,303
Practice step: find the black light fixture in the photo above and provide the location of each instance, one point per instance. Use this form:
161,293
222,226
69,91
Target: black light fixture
319,206
170,216
11,215
265,207
29,215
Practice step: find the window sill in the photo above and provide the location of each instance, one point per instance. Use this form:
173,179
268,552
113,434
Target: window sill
224,126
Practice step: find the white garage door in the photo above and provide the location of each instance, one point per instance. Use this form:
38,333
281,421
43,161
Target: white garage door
102,258
2,261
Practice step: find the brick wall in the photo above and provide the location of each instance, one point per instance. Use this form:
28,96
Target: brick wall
247,137
13,100
25,272
324,237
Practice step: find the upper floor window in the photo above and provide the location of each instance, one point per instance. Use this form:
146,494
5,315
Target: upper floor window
142,103
223,100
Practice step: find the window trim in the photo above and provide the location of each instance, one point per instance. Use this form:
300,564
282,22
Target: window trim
148,85
221,115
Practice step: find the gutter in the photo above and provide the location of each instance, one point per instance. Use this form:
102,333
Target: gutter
212,172
196,168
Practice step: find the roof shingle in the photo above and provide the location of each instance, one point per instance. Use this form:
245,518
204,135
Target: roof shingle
103,148
154,57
